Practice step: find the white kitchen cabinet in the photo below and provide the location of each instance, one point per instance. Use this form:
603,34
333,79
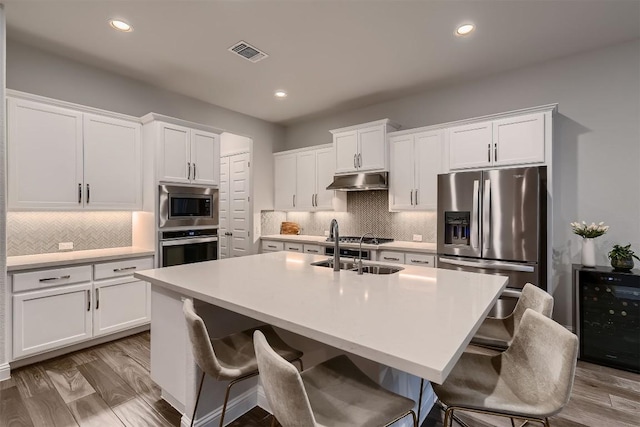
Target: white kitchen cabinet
120,304
313,249
513,140
391,256
416,161
188,156
272,246
293,247
51,318
301,179
362,147
62,158
419,259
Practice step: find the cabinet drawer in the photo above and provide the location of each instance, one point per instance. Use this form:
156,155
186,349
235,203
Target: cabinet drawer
391,256
423,260
125,267
293,247
48,278
271,246
313,249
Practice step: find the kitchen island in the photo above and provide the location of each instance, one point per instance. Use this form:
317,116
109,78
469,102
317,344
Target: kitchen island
409,325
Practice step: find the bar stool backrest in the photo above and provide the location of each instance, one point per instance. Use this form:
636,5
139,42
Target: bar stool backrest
201,343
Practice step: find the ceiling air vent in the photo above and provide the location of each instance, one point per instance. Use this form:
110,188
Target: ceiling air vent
247,51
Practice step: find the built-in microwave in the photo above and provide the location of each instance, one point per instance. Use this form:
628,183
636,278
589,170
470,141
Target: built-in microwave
181,206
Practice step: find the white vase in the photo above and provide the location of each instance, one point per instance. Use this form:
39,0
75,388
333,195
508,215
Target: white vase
588,253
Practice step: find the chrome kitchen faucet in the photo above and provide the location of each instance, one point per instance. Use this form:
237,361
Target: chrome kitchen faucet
335,235
360,252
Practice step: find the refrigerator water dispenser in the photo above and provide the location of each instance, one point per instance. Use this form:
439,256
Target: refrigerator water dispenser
457,228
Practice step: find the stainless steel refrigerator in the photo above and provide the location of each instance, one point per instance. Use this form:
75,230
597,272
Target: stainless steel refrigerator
495,222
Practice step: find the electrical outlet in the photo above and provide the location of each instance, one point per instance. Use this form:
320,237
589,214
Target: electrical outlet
65,246
417,237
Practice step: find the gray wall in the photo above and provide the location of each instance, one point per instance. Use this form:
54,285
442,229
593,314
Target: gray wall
596,143
35,71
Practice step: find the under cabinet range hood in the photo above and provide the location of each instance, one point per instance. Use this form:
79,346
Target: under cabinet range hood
360,182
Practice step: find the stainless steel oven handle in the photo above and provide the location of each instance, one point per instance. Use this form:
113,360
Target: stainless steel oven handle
181,242
488,265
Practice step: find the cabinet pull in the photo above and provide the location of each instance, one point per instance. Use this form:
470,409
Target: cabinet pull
388,258
355,166
188,170
194,171
97,298
294,200
411,197
417,261
416,197
271,246
313,251
88,300
488,152
495,152
79,193
50,279
117,270
359,160
294,249
88,193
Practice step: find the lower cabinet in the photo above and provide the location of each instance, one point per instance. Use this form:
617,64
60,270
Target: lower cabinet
408,258
272,246
59,307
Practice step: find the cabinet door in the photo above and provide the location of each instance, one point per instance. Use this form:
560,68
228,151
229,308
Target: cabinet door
306,180
345,145
372,148
401,179
239,207
44,156
174,153
519,140
223,208
51,318
285,182
325,169
205,157
112,163
428,164
120,304
470,146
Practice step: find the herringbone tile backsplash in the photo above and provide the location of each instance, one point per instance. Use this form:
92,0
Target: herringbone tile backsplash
31,233
367,211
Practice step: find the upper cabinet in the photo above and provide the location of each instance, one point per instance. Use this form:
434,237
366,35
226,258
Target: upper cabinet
60,158
513,140
363,147
416,161
301,179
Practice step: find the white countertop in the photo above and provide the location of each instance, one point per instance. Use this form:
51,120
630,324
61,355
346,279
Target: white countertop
27,262
418,320
321,240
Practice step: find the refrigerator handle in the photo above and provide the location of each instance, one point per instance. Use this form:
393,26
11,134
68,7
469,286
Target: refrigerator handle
486,214
475,219
492,265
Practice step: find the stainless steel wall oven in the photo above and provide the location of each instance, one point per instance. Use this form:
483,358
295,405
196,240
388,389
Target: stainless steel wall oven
188,246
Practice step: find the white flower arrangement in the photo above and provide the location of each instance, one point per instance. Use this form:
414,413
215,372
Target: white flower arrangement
589,231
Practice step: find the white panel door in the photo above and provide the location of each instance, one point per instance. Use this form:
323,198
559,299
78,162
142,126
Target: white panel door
325,169
401,174
205,155
120,304
44,156
285,181
428,164
470,146
175,157
223,216
345,145
112,163
306,180
372,153
519,140
52,318
239,212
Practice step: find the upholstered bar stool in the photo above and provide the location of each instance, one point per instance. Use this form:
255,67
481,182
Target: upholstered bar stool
497,333
231,358
334,393
531,380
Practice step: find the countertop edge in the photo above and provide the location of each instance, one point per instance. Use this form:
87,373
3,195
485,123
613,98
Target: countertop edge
38,261
321,240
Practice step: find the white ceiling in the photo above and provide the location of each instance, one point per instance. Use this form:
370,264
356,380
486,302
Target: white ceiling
328,55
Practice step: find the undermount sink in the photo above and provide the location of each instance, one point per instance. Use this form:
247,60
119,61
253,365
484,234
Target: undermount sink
352,266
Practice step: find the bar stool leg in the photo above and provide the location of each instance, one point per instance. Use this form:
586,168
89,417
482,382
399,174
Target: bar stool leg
193,417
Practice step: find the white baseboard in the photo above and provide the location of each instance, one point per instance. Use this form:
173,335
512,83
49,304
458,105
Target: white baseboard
5,372
235,408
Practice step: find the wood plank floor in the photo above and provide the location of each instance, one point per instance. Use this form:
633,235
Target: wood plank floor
109,385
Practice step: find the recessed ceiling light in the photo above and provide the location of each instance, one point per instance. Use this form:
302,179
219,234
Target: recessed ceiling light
120,25
465,29
280,94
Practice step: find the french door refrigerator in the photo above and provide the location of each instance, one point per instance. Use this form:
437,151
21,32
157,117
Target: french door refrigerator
495,222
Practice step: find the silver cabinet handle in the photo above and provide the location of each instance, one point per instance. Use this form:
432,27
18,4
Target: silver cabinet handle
117,270
194,171
188,170
495,152
293,249
355,165
359,160
97,298
88,300
416,196
294,200
79,193
88,193
312,202
417,261
411,197
388,258
489,153
313,251
51,279
271,246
